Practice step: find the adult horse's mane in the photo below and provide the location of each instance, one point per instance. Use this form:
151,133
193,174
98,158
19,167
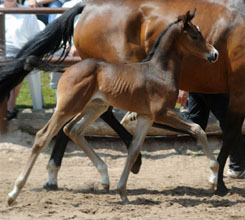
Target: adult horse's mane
158,40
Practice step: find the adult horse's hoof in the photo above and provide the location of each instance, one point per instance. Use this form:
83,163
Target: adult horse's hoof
221,191
50,187
136,167
106,187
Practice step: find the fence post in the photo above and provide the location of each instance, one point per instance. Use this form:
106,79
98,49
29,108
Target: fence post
3,106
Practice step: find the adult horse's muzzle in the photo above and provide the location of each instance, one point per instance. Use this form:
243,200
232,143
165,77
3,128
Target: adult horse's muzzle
213,55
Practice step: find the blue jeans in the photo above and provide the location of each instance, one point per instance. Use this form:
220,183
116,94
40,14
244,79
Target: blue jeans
199,107
48,18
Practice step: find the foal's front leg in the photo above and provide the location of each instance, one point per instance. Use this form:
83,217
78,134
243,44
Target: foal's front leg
171,118
143,124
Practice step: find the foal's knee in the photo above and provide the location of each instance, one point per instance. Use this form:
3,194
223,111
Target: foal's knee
70,131
197,130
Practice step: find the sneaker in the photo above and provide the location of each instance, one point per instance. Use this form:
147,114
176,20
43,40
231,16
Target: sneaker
183,109
236,174
129,118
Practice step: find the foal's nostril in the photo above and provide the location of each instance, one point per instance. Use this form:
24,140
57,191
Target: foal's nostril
215,56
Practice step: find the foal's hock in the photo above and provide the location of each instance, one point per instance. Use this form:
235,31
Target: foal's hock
150,88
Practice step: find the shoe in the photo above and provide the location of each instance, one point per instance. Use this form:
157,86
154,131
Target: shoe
11,115
236,174
129,118
183,109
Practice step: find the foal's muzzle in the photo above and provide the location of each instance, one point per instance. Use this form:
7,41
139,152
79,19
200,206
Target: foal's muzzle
212,55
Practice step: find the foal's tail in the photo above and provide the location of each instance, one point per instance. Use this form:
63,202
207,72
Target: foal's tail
57,35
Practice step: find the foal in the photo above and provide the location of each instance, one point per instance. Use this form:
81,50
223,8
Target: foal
149,88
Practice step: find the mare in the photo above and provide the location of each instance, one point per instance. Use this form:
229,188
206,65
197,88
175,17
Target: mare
123,31
126,32
150,88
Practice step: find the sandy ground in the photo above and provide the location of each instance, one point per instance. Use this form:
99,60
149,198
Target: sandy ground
172,183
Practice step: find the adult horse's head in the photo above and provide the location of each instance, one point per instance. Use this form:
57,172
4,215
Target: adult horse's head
191,40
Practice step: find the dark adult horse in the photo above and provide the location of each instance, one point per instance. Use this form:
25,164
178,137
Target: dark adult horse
124,31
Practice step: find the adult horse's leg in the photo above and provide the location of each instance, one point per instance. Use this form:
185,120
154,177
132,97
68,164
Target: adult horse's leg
126,137
42,139
74,129
231,135
55,160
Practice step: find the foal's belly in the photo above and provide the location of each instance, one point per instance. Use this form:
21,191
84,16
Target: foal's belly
128,103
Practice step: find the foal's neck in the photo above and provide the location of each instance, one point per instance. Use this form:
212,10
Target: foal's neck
167,56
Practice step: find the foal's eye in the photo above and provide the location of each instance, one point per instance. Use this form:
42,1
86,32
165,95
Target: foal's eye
194,37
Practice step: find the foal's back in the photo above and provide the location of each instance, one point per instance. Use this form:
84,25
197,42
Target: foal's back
125,86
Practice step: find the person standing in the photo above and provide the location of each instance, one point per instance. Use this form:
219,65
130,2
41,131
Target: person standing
19,28
46,18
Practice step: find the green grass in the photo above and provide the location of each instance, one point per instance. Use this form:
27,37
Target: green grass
24,97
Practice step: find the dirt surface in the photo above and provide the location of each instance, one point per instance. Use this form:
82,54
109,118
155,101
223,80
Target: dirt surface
172,183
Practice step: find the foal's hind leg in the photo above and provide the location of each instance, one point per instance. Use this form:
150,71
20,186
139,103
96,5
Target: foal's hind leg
172,119
61,143
75,128
42,139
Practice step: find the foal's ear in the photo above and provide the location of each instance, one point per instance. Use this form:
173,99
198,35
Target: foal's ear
190,16
187,17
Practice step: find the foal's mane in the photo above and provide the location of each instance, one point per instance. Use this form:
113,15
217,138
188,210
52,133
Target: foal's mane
157,41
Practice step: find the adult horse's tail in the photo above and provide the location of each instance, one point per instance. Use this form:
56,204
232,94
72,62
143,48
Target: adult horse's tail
57,35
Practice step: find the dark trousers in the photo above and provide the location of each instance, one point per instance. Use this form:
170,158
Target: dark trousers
199,107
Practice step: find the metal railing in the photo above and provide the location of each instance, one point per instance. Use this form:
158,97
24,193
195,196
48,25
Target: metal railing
3,11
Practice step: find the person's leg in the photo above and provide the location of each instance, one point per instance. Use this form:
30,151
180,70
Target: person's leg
11,105
198,110
34,83
54,80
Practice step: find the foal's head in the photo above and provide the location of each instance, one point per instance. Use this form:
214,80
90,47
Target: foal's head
191,41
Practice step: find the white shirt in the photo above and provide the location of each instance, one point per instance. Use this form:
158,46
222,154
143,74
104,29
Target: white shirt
19,29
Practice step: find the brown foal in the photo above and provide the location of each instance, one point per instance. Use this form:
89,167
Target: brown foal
150,88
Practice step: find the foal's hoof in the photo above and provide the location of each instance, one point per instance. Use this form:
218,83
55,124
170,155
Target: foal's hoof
10,201
125,201
221,191
136,167
50,186
212,186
